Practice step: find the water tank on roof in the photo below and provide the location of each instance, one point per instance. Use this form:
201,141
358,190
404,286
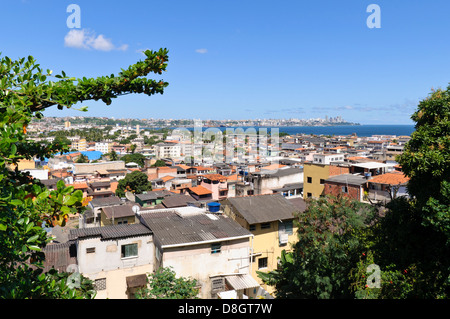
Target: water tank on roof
214,207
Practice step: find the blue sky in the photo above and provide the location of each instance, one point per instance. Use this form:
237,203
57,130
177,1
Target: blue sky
248,58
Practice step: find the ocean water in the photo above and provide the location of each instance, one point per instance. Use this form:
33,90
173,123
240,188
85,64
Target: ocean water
360,130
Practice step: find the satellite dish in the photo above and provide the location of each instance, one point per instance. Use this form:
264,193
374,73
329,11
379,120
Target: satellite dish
135,209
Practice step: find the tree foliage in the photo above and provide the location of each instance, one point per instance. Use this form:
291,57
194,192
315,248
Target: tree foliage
82,159
136,182
414,238
159,163
164,284
332,234
25,204
134,158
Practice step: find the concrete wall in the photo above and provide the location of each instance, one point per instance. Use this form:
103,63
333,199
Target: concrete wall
265,244
355,192
265,185
318,172
199,263
106,262
93,167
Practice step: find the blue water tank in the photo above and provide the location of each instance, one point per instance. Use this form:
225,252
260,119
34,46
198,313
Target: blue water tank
214,207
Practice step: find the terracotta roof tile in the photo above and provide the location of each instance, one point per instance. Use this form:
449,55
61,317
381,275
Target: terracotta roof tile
392,178
215,177
200,190
80,185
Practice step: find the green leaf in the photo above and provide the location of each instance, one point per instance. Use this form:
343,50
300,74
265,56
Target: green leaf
16,202
65,210
32,238
60,184
68,190
3,227
13,149
36,248
43,195
29,226
69,201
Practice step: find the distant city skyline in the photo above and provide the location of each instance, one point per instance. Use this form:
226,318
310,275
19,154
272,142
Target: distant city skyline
331,119
245,59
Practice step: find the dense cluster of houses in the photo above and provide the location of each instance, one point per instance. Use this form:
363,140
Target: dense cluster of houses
216,222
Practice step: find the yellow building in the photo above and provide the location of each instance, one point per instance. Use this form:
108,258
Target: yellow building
79,145
270,218
314,176
24,164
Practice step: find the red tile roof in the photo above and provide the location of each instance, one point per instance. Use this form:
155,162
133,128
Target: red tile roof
215,177
200,190
392,178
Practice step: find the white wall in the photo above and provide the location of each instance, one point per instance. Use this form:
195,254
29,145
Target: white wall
198,262
107,263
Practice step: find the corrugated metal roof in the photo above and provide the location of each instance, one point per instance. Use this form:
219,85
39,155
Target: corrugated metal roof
171,228
110,232
119,211
178,200
263,208
59,256
239,282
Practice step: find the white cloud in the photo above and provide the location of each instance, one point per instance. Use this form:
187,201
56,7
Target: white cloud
201,51
84,39
75,39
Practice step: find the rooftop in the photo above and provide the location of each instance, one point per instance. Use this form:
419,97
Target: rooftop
105,201
284,171
215,177
372,165
347,179
177,200
263,208
118,211
200,190
110,232
190,226
151,195
392,178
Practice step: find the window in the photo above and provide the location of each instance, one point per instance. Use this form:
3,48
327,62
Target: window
130,250
309,195
265,225
322,181
262,263
217,284
286,227
215,248
90,250
309,179
344,189
100,284
252,227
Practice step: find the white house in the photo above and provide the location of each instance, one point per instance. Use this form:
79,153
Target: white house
167,150
327,158
213,249
103,147
117,258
